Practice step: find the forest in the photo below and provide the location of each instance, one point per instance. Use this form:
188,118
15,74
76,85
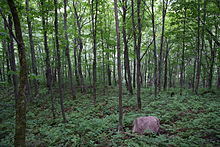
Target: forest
87,73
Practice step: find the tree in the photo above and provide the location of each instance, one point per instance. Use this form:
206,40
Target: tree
164,10
94,21
12,57
60,83
128,77
135,39
20,126
67,50
155,49
138,56
80,43
199,51
47,60
120,125
33,58
183,52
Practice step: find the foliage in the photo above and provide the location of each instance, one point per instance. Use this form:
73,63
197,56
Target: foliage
186,120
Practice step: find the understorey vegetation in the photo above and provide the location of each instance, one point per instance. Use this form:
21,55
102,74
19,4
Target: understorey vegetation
85,73
186,120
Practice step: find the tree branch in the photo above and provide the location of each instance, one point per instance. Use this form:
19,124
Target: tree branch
146,50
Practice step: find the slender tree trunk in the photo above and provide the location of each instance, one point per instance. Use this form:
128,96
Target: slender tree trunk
218,59
135,40
155,50
194,74
170,74
33,58
149,80
12,58
47,60
109,69
182,69
103,61
73,92
6,56
20,126
199,53
165,67
75,61
81,79
126,57
161,45
94,20
120,126
138,56
114,67
60,83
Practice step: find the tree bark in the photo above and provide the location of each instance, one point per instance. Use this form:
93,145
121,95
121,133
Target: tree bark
47,60
94,21
120,126
182,69
73,92
12,58
114,67
60,83
126,57
75,61
135,40
213,52
4,57
165,66
80,42
138,57
199,52
155,50
164,9
33,58
20,125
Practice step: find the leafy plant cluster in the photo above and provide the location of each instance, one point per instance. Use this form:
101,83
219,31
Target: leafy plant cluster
186,120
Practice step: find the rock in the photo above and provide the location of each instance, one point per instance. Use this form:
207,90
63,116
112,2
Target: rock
143,124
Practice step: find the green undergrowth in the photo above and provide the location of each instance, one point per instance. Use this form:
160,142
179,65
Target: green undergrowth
186,119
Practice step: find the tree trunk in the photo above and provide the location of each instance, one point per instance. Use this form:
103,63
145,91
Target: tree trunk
135,40
120,126
20,125
109,69
47,60
12,58
81,79
126,57
194,75
199,52
164,9
165,67
6,56
103,61
60,83
155,50
138,57
94,21
75,61
114,67
73,92
182,69
33,58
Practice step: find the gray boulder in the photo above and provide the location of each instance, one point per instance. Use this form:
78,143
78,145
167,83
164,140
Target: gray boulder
144,124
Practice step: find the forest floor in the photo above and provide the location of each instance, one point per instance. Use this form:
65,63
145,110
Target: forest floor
186,120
